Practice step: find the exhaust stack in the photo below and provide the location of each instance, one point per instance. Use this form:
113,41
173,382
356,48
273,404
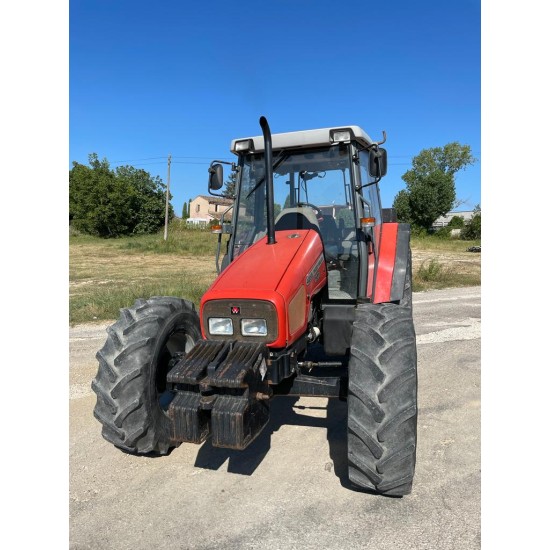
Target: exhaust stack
268,157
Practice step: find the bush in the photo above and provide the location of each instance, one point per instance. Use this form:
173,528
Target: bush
430,272
472,230
443,233
456,222
418,232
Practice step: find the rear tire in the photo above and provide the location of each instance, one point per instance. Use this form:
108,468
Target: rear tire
133,364
382,399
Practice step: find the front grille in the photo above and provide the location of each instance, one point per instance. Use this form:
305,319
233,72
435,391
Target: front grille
248,309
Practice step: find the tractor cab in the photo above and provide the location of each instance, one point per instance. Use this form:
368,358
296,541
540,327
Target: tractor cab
323,180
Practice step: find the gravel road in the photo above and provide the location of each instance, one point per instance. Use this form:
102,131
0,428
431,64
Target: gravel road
289,489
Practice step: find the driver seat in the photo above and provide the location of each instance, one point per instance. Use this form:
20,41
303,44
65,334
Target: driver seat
329,229
299,217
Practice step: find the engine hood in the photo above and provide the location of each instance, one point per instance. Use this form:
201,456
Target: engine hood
277,273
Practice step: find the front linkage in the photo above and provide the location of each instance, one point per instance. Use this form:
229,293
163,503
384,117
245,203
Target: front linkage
221,390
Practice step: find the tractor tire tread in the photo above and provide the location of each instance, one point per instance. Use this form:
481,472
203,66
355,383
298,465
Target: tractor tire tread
124,405
382,399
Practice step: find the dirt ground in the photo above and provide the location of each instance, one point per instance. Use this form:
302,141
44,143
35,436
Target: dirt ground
289,490
460,262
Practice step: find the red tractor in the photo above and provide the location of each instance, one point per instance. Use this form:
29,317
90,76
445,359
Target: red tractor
313,298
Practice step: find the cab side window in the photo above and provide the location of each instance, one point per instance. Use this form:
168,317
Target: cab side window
370,193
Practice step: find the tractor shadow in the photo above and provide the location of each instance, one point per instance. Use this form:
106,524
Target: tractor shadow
283,412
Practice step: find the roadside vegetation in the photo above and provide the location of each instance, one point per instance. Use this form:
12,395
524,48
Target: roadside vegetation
108,274
111,203
118,252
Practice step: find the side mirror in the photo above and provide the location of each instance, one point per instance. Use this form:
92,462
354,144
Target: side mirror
378,162
215,177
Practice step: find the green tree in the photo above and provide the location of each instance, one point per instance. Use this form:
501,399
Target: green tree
147,199
430,184
230,189
185,212
402,206
472,229
111,203
98,202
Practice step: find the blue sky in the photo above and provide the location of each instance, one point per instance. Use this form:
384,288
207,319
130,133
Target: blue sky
148,79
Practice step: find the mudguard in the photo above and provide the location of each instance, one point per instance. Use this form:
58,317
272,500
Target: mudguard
391,264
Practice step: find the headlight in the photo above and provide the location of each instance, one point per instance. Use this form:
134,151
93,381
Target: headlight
244,145
343,135
253,327
220,325
252,320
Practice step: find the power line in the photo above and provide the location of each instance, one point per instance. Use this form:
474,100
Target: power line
231,158
187,162
142,163
225,158
131,160
222,158
206,163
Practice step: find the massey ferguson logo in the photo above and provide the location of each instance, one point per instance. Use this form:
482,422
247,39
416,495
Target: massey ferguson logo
315,273
235,310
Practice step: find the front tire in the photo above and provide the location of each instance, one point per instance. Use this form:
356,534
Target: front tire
382,399
132,397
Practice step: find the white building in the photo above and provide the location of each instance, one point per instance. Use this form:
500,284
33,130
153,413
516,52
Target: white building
203,209
443,221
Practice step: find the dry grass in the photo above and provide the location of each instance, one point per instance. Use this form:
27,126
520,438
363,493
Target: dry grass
106,275
439,263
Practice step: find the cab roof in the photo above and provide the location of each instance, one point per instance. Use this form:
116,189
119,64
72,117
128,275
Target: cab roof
305,138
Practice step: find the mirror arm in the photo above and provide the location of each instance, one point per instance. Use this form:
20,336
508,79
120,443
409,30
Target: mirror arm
359,187
374,144
232,164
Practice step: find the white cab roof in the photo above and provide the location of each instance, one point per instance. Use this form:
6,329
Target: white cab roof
305,138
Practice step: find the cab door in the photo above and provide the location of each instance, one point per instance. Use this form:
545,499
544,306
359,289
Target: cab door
369,207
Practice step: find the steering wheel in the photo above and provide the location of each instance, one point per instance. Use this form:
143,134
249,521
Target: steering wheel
316,209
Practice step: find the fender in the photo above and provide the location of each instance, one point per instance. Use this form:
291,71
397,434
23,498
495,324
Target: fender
391,264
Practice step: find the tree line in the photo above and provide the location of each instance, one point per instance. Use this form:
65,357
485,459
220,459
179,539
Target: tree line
112,203
129,201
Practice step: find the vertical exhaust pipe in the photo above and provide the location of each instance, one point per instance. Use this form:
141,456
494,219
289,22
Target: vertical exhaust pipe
268,157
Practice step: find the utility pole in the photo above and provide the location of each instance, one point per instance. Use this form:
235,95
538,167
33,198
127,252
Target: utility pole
167,199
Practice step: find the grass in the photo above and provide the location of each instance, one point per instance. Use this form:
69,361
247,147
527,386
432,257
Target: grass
444,263
434,275
430,242
108,274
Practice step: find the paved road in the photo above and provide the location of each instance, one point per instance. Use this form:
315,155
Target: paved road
289,490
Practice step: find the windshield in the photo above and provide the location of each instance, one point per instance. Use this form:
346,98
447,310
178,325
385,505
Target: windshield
319,180
312,190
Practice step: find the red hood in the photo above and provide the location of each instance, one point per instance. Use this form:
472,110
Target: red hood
260,267
278,273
